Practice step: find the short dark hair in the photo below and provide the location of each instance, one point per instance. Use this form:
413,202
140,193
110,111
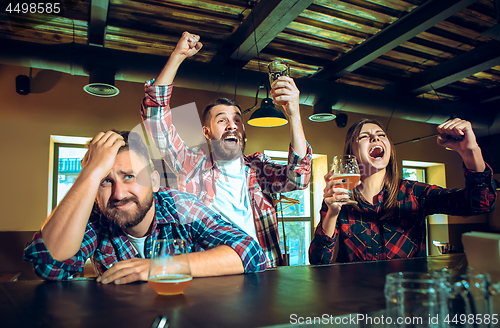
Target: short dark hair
133,142
216,102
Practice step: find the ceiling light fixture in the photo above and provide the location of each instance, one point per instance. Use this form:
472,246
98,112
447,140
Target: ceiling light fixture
101,83
267,116
322,112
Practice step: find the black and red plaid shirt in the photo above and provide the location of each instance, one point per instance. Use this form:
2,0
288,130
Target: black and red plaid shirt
364,237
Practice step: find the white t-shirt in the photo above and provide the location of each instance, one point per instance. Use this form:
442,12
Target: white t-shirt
138,244
232,197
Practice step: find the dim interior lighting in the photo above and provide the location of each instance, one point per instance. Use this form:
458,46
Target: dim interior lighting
267,116
101,83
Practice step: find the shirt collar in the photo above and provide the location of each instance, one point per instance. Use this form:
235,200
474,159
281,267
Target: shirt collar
163,211
381,197
212,163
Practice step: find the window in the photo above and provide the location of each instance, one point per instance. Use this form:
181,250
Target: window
67,152
431,173
414,173
294,210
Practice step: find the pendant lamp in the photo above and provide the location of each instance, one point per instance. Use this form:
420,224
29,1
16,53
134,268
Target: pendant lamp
267,116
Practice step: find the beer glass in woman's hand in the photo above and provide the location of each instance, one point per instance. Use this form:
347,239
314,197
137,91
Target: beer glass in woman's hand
346,167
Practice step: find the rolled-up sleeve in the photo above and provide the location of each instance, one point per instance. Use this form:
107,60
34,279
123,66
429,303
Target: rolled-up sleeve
299,168
277,178
212,231
478,196
48,268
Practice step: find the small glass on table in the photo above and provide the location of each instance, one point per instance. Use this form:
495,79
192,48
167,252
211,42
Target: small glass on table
169,270
346,167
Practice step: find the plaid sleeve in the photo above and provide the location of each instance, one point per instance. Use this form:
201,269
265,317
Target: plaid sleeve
275,178
212,231
478,196
205,228
322,248
46,267
157,119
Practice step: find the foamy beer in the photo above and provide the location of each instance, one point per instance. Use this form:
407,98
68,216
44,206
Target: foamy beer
346,167
169,270
276,69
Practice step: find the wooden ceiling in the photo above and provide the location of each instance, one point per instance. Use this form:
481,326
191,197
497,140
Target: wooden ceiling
426,48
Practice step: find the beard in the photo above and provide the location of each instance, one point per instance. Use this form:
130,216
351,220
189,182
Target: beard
225,152
127,218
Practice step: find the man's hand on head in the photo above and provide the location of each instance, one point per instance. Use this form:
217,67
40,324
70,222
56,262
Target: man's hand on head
125,272
102,152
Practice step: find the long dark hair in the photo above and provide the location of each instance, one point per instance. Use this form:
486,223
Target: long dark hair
391,180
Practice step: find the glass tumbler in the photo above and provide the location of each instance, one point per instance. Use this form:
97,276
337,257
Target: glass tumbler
169,270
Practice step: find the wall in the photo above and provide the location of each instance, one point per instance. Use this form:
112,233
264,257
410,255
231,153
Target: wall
63,108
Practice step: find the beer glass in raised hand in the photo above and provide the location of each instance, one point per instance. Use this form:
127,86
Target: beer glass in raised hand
277,68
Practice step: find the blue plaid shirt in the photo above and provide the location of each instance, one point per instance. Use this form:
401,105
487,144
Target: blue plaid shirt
178,215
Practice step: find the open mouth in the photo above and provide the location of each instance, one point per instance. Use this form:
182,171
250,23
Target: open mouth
377,152
231,141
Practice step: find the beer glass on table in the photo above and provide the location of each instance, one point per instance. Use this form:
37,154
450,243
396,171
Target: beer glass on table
346,167
169,270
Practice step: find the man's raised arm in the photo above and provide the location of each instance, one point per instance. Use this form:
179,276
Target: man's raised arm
286,94
188,45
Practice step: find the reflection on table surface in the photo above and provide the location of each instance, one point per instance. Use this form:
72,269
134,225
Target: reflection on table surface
271,298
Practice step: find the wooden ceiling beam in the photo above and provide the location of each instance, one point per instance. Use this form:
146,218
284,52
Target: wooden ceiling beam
491,94
261,26
467,64
415,22
96,32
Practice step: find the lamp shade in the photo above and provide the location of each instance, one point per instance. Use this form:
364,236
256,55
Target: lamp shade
322,112
101,83
267,116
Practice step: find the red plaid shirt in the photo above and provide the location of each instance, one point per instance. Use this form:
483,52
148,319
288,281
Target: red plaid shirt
363,237
198,173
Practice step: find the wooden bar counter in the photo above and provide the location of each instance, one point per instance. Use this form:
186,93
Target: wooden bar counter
269,298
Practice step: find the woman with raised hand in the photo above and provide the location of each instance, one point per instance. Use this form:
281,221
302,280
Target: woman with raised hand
388,221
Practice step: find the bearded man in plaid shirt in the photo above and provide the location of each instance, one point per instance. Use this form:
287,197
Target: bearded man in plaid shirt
238,187
114,212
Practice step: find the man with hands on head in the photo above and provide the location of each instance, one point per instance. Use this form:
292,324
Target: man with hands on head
236,186
116,209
